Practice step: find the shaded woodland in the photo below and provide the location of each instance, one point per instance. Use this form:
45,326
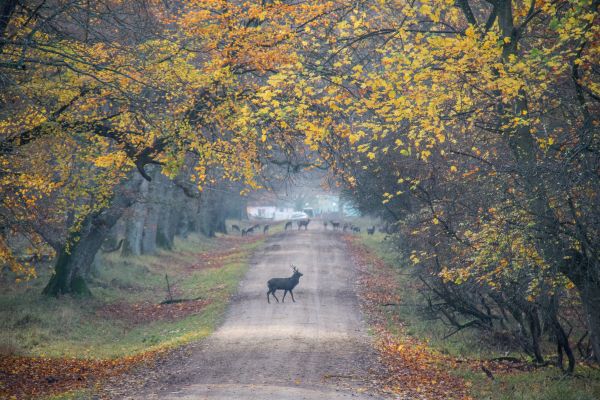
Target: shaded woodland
470,128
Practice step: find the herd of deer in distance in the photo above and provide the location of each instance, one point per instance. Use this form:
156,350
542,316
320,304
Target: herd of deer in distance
303,223
288,284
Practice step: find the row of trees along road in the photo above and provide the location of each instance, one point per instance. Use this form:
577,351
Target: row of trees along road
471,125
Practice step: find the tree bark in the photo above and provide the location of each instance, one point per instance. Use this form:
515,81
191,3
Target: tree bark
562,340
134,224
581,271
151,218
7,7
524,148
168,215
81,247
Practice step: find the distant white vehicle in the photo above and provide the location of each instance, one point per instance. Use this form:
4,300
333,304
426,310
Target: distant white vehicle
299,216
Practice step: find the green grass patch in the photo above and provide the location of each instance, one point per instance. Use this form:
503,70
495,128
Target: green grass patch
36,325
541,384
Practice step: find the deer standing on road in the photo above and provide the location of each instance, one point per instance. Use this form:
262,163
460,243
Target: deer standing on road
235,228
303,224
266,229
285,284
336,225
288,225
371,231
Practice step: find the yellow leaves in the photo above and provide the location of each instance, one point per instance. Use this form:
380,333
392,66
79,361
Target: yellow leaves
545,143
22,270
355,137
362,148
453,168
111,160
414,259
470,32
343,25
387,197
314,134
569,285
266,95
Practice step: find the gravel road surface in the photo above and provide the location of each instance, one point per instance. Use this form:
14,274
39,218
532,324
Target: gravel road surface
315,348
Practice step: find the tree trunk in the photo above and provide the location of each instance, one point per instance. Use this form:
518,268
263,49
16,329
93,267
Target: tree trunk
7,7
562,340
524,149
205,223
151,218
586,278
168,215
212,213
81,247
536,333
134,224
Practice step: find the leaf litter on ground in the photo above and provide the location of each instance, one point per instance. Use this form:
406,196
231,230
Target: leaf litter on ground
30,376
413,369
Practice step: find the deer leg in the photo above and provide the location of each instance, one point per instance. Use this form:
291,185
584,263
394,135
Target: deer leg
273,294
292,294
284,293
268,301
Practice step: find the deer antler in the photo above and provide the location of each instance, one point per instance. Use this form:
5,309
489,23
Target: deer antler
294,268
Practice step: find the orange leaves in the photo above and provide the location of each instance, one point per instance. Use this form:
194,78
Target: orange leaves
417,371
26,377
20,269
250,35
414,370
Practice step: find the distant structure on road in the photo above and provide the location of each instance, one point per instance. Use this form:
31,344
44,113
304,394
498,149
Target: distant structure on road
269,207
269,212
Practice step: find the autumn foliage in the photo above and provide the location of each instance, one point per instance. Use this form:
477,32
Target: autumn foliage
471,127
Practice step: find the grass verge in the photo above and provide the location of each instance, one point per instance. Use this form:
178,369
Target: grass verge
417,338
51,345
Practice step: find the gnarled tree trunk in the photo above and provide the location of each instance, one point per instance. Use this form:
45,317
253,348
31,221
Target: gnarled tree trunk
134,225
547,225
81,247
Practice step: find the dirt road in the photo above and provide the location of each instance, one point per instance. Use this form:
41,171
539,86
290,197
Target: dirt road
315,348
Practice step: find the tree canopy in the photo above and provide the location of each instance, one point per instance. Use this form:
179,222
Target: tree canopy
471,125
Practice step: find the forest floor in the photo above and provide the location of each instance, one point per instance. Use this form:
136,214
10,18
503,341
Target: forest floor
355,331
317,347
427,359
67,346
